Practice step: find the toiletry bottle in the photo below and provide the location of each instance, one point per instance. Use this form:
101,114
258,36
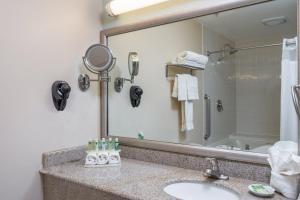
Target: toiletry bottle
111,145
103,154
93,145
99,145
117,144
103,144
89,147
141,135
114,156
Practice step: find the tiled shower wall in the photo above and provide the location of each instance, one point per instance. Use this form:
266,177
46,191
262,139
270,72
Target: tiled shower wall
258,90
248,83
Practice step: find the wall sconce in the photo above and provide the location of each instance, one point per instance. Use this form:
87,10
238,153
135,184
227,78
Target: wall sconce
117,7
133,68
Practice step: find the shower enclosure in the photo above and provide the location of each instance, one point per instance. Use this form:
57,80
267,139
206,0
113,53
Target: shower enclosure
251,92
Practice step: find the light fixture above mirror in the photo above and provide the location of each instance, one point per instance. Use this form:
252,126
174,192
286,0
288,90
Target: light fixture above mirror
117,7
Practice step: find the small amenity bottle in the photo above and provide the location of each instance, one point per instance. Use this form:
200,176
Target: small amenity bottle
117,144
102,154
111,145
103,144
92,145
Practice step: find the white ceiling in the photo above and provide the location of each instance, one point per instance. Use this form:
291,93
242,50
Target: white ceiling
245,24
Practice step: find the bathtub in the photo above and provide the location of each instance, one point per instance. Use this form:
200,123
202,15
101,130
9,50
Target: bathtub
245,143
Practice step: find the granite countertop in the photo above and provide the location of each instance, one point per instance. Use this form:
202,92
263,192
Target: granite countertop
135,179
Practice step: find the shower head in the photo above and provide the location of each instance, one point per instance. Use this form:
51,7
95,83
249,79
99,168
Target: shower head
227,48
222,57
233,51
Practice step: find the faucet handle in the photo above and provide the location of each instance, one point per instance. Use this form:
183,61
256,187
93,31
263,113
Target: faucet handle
213,162
214,172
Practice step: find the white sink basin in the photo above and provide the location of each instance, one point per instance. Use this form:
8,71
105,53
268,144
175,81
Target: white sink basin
198,191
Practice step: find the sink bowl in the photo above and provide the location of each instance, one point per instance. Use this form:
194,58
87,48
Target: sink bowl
200,190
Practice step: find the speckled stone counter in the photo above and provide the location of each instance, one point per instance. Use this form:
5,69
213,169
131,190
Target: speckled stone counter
232,168
132,180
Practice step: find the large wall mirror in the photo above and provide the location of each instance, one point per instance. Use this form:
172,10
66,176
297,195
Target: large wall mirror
244,101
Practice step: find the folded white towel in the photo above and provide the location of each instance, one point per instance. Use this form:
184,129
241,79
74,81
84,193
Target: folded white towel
114,157
187,116
185,89
91,158
190,56
191,63
102,158
285,164
180,87
192,87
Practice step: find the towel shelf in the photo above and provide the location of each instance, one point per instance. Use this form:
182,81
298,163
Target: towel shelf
181,66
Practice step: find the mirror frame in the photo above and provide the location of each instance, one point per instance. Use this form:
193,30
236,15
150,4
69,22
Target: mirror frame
172,147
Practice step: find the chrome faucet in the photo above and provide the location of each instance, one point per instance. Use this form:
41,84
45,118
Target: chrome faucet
214,171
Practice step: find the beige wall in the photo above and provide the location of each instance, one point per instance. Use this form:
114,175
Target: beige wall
42,41
158,116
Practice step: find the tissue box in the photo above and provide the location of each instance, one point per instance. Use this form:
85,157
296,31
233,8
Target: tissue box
286,185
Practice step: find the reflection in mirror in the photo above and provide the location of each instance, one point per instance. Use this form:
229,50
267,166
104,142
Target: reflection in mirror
228,88
133,69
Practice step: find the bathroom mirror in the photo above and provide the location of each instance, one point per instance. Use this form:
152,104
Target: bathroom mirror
244,103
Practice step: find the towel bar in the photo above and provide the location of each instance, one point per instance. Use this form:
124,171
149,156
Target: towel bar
180,65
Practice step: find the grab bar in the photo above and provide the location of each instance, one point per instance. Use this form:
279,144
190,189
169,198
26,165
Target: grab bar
207,116
295,97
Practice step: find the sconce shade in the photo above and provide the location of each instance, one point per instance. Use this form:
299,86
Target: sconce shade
117,7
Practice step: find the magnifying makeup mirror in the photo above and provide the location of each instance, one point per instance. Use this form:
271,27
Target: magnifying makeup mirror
98,59
133,68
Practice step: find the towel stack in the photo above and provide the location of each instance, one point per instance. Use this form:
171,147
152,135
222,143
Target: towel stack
285,166
192,59
185,89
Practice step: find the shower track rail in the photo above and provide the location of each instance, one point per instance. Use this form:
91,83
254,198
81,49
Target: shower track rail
248,48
